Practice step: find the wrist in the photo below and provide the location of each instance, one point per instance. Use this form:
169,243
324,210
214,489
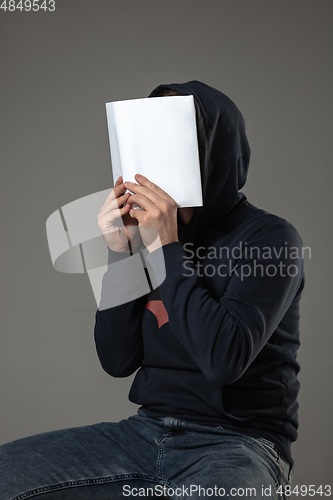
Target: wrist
158,243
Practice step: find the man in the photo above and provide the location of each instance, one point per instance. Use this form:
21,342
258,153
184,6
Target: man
214,345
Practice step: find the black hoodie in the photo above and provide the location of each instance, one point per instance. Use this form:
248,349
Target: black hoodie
216,342
224,153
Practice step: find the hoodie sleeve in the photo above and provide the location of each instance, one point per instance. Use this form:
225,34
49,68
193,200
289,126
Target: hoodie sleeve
117,329
223,335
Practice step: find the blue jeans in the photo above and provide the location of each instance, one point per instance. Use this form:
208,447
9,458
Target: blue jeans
142,457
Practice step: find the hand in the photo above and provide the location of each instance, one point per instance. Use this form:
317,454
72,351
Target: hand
119,229
157,221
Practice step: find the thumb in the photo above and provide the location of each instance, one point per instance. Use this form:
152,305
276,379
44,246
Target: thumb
136,213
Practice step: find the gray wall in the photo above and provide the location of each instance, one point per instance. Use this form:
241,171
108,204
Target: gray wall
57,71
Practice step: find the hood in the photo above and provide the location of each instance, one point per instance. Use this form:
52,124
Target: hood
224,155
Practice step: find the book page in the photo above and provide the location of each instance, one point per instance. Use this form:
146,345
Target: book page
157,137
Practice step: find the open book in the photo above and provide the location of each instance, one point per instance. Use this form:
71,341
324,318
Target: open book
157,137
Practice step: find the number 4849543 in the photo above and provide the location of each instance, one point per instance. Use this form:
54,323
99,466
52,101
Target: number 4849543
27,5
304,490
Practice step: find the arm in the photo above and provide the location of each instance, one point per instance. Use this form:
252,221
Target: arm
117,330
224,336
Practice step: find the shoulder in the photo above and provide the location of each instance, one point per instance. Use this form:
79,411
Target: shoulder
265,226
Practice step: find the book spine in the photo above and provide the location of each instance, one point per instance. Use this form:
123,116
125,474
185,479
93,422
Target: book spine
113,140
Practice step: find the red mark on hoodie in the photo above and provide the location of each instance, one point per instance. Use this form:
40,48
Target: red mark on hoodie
159,311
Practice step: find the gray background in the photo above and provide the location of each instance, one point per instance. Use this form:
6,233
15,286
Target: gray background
273,58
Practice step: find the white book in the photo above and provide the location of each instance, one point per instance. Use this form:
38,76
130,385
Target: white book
157,137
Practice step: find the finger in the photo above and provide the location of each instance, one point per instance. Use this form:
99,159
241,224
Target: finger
144,181
120,212
114,203
117,185
119,202
114,194
145,191
126,208
114,212
142,201
113,218
137,214
118,181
